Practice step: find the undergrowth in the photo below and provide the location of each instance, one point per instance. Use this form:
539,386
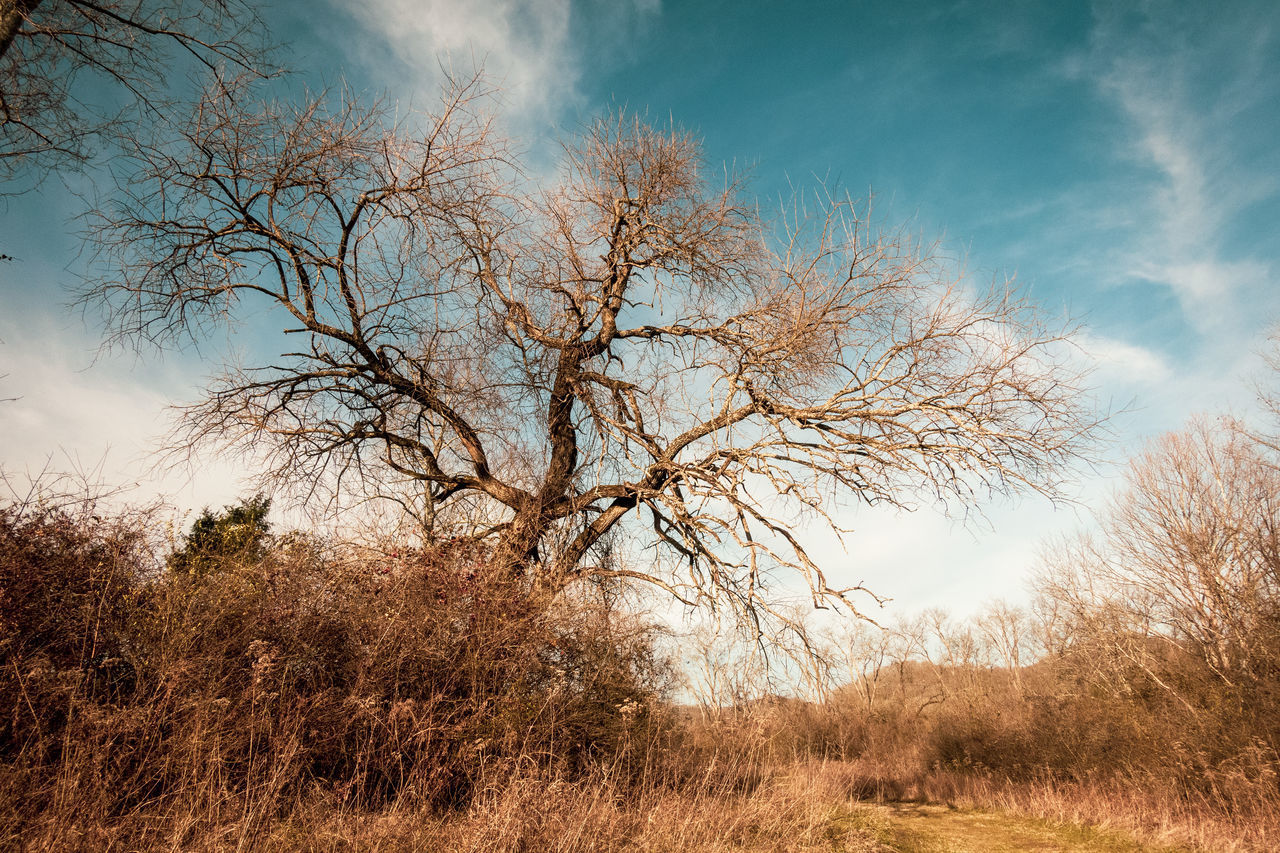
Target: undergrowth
238,690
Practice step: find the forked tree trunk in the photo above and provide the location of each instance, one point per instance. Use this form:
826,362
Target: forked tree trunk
517,547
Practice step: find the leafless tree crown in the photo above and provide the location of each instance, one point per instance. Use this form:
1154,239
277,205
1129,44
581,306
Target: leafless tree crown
1188,555
632,348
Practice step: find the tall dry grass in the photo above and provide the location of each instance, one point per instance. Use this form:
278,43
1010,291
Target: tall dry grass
792,811
147,708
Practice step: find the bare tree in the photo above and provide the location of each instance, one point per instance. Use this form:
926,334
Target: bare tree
865,651
1006,630
50,50
1199,536
634,345
1189,557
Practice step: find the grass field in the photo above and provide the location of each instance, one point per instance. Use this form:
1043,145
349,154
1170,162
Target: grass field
303,697
804,810
932,828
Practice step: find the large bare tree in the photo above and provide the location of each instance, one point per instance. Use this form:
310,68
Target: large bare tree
542,364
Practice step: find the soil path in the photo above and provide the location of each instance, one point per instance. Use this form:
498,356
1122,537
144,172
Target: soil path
914,828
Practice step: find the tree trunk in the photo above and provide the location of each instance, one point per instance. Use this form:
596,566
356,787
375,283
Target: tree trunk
517,546
13,14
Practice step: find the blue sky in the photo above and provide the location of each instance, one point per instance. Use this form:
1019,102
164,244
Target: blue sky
1119,160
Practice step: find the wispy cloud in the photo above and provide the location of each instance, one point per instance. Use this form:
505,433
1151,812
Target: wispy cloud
525,46
1121,362
1180,86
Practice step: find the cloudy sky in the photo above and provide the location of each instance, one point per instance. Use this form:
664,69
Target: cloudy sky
1118,160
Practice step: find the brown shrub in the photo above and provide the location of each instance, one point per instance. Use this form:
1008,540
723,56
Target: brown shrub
307,671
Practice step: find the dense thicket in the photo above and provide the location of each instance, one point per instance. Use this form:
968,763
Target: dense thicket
286,670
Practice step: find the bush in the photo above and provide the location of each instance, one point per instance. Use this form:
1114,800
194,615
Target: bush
293,669
70,584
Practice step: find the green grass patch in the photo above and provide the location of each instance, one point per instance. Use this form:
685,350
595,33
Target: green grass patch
915,828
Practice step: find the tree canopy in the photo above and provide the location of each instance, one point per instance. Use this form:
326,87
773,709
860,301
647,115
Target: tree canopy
50,50
540,364
238,533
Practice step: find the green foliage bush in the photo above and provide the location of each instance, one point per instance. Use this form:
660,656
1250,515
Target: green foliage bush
237,534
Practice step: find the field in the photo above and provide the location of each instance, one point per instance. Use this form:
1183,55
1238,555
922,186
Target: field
803,810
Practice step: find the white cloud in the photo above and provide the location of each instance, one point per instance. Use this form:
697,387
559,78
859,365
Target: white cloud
522,43
926,559
1124,362
73,414
1181,97
526,47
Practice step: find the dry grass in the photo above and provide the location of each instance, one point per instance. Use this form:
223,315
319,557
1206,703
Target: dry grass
804,807
1142,810
793,811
